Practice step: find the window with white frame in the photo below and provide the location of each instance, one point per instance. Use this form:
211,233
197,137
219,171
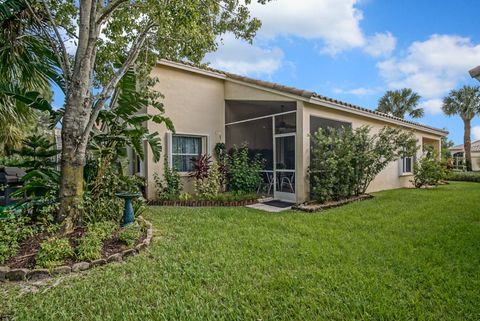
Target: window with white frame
184,148
406,165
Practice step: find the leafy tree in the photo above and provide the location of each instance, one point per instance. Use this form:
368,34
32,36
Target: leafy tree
111,37
400,102
38,158
464,102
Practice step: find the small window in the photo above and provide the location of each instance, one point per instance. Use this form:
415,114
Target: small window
184,148
407,165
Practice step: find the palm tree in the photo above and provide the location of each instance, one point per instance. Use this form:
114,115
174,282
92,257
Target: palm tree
400,102
26,64
464,102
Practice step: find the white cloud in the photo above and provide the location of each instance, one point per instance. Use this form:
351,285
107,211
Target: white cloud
476,132
432,67
432,106
240,57
380,44
335,22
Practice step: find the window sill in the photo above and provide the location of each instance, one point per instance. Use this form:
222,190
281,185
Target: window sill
405,174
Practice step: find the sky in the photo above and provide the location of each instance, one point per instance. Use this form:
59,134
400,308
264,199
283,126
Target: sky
355,50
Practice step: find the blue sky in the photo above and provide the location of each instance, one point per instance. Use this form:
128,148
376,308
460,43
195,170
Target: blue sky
356,50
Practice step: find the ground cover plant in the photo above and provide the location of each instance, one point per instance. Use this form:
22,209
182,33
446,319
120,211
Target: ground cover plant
408,254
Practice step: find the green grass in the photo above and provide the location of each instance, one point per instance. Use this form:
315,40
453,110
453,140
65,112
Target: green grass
404,255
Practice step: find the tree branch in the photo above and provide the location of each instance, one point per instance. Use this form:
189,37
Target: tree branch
60,41
63,64
107,11
108,89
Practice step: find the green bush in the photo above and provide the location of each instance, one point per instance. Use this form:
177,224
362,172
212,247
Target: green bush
428,170
169,187
90,245
464,176
103,230
184,196
13,230
89,248
207,188
244,174
343,162
100,202
130,234
53,252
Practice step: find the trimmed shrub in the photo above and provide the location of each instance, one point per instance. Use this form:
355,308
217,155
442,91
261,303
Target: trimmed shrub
428,170
464,176
343,162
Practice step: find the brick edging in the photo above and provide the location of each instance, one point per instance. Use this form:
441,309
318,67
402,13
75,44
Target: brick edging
203,203
8,274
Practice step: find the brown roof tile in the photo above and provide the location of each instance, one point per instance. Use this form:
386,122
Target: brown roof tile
304,93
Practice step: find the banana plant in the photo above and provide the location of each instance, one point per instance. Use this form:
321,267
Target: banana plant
123,123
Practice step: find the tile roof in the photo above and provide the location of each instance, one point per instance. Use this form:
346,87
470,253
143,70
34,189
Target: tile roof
475,146
303,93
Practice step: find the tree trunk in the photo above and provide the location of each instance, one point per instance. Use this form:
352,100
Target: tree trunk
467,145
78,108
73,160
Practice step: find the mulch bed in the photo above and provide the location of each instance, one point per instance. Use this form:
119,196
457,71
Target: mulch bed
315,207
25,257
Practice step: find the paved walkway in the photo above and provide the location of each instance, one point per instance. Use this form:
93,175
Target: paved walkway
268,208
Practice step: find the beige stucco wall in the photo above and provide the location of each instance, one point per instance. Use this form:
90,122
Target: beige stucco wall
195,103
390,177
476,161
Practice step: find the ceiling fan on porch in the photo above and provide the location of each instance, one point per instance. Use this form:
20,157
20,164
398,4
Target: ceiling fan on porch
283,126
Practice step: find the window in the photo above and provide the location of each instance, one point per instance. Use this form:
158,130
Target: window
407,165
317,122
184,148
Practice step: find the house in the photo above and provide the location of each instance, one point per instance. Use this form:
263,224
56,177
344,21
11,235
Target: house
458,155
209,106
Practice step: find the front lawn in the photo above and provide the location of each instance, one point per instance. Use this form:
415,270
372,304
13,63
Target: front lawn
407,254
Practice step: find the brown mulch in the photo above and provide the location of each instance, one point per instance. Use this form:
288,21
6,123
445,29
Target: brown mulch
25,256
314,206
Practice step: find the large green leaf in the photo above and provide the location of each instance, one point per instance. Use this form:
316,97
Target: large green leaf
32,99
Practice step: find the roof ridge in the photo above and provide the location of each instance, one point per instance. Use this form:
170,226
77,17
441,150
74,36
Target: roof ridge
300,92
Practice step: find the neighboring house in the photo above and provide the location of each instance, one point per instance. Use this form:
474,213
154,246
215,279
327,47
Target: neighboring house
458,156
209,106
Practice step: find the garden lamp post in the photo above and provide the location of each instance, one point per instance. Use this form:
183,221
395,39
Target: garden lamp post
128,215
475,73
